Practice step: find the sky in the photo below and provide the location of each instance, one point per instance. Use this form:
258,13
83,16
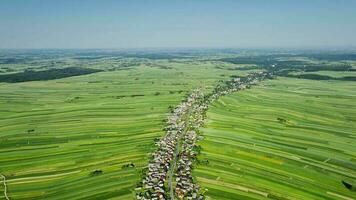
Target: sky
177,23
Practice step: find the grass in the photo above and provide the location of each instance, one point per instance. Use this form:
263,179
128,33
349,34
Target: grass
285,139
53,134
334,74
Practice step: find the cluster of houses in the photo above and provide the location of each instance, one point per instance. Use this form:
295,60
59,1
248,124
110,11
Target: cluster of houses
153,184
237,84
185,187
181,135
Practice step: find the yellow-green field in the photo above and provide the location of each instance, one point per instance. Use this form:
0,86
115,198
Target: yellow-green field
284,139
90,136
54,134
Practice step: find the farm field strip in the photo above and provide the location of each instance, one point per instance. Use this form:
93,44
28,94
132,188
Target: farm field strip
302,149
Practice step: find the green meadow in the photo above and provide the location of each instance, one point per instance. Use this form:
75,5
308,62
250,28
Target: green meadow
284,139
55,134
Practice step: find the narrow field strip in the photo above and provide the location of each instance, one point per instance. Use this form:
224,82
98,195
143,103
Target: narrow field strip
38,178
340,196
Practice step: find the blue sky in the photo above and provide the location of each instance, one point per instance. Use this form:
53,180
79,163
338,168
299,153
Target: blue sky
177,23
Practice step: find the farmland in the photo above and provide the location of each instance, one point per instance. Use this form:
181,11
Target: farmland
55,134
284,139
83,124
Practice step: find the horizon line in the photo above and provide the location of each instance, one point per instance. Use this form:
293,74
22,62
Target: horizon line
351,47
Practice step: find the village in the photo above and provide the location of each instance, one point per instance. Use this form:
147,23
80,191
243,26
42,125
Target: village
177,147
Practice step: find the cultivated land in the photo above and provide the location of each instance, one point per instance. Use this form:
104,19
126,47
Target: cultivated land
284,139
55,134
90,135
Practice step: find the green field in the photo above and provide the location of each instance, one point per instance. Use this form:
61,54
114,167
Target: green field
90,136
284,139
55,133
332,74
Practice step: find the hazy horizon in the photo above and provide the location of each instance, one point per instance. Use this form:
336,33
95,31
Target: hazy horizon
93,24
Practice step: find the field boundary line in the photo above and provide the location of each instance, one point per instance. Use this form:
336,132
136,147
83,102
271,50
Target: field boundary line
32,178
5,186
339,195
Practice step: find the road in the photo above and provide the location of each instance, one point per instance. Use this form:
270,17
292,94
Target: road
172,169
175,157
5,187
